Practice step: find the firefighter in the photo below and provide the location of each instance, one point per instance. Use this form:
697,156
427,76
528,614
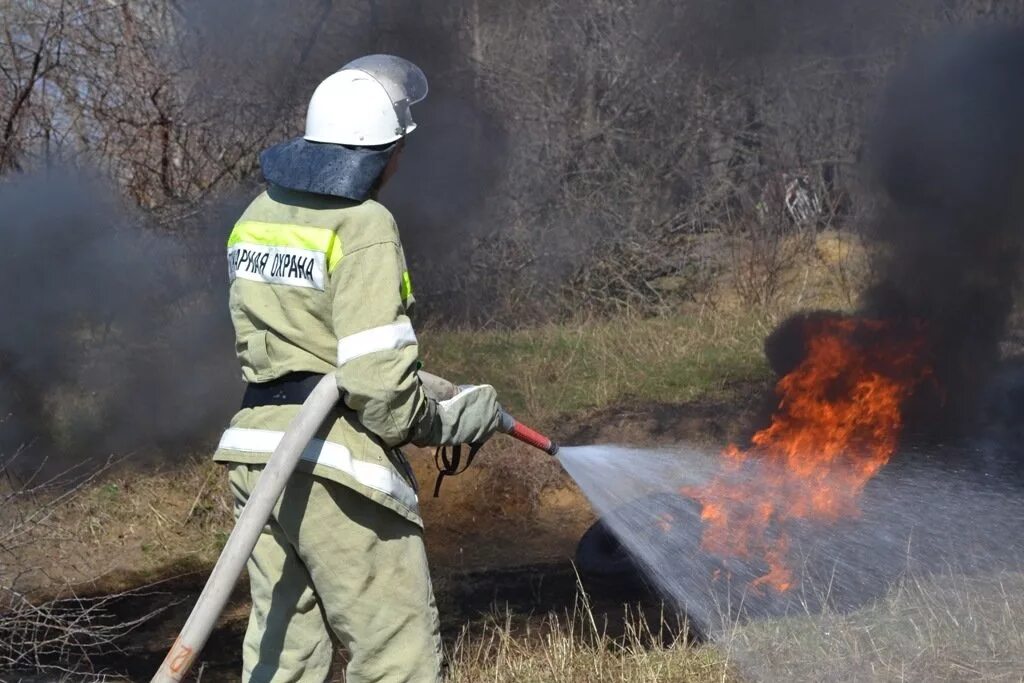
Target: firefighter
319,285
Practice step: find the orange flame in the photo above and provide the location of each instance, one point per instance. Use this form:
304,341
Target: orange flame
836,425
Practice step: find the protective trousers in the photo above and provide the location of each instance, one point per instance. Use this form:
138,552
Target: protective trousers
332,561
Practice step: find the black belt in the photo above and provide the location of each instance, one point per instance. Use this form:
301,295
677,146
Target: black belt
295,387
287,390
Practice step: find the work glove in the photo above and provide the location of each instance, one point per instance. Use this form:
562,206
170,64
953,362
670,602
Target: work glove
471,416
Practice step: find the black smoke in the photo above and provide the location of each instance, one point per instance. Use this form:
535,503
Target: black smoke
114,337
948,149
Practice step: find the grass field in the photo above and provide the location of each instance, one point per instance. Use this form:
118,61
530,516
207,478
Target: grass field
705,350
566,369
950,627
175,514
944,628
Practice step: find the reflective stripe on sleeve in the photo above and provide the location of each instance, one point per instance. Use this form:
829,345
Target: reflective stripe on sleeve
391,337
328,454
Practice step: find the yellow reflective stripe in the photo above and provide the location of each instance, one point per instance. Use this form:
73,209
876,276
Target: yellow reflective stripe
323,240
406,286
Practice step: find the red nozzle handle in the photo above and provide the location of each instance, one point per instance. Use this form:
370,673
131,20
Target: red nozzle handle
519,431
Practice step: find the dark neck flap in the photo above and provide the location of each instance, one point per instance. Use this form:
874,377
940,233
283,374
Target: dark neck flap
322,168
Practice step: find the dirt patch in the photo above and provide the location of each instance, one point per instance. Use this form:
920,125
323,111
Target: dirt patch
709,423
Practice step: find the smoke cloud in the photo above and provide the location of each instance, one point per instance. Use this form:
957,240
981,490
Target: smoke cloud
113,337
949,153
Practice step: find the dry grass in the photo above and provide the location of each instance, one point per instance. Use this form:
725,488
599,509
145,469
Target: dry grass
574,648
44,625
950,628
781,274
129,526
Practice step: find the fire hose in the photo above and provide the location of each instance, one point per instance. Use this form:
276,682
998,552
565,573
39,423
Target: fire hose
257,510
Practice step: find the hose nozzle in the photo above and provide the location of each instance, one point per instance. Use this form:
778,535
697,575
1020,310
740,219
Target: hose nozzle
532,437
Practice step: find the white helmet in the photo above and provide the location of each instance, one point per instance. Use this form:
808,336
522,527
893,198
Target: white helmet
366,103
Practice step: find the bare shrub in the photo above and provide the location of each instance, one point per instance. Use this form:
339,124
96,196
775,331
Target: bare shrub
63,635
58,634
762,258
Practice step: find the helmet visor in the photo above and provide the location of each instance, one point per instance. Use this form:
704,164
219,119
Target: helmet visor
403,80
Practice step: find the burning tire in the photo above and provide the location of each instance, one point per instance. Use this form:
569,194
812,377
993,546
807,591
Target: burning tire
600,555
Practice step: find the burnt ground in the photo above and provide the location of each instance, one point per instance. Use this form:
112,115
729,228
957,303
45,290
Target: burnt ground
501,539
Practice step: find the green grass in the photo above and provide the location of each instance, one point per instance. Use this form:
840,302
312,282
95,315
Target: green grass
559,369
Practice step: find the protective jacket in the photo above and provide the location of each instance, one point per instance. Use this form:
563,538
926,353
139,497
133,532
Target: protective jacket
319,284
